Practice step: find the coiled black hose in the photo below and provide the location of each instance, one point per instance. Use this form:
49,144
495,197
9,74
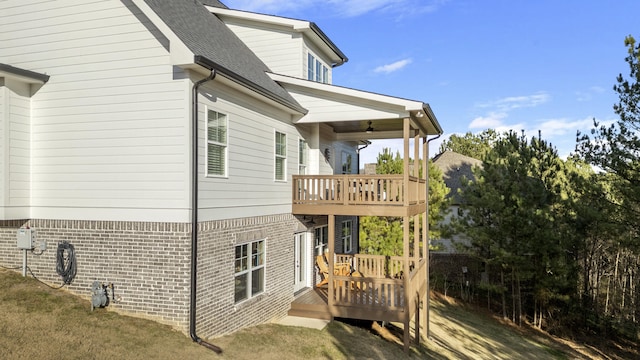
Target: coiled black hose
66,262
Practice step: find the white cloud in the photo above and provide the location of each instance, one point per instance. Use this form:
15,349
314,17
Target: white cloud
588,94
560,127
389,68
516,102
342,8
353,8
490,121
268,6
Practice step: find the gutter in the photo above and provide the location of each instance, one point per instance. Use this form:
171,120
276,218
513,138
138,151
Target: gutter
194,206
334,48
203,61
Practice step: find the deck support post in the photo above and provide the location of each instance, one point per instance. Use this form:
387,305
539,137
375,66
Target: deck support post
425,235
330,255
416,320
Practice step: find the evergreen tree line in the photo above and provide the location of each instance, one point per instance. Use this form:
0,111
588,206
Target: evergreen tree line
559,239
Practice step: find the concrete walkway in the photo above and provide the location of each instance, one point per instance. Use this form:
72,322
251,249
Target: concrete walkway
317,324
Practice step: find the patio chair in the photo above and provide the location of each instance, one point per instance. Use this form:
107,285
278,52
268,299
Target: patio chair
323,268
341,269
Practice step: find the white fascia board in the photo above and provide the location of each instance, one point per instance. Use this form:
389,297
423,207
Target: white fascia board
178,51
407,105
262,18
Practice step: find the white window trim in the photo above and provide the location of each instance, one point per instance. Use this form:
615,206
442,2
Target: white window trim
344,160
207,142
249,271
317,70
276,156
303,162
324,247
347,238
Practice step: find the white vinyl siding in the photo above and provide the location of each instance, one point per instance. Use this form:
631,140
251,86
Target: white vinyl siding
249,188
216,143
15,109
109,130
280,156
4,171
278,48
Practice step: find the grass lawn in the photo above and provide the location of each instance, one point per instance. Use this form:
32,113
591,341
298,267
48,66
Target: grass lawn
37,322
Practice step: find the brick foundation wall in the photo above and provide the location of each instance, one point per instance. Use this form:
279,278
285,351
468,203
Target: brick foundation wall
149,265
217,314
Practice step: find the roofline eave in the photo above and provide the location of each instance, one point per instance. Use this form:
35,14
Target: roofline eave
208,64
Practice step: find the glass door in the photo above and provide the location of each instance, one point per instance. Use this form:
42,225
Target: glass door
300,265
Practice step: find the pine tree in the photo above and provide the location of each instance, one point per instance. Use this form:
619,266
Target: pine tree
383,236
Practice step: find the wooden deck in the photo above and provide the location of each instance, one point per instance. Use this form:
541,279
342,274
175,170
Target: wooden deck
312,303
367,304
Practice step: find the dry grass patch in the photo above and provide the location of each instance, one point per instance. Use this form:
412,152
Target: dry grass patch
37,322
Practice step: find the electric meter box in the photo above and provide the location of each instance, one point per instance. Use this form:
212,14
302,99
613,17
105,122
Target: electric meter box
26,238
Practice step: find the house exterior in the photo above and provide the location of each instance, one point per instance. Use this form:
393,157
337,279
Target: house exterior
125,124
455,169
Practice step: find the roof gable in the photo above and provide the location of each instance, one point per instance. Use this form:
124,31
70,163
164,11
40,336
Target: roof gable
207,36
454,167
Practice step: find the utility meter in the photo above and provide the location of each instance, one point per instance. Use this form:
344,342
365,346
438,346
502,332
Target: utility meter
26,237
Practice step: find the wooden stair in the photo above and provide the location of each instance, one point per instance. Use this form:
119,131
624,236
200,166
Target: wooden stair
311,303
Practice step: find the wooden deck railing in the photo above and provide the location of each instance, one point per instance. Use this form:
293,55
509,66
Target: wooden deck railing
358,190
378,284
371,293
377,266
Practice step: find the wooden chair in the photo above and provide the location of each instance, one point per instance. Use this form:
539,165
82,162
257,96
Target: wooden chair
323,268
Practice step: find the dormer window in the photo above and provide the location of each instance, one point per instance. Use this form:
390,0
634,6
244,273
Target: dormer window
316,71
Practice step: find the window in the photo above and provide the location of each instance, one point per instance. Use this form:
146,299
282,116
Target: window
302,157
281,156
310,66
216,143
316,71
249,270
347,236
321,240
346,163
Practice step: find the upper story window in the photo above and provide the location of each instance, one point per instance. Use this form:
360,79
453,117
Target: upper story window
316,71
217,143
302,157
321,240
347,163
347,238
281,156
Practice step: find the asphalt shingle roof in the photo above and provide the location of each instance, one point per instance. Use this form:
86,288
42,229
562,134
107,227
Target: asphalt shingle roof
206,35
454,167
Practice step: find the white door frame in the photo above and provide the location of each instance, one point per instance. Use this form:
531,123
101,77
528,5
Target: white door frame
301,261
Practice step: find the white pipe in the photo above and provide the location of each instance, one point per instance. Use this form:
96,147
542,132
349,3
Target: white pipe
24,263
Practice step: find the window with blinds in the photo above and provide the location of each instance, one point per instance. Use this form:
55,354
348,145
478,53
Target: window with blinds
281,156
216,143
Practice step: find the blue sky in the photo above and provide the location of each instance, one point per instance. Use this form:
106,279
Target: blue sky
530,65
